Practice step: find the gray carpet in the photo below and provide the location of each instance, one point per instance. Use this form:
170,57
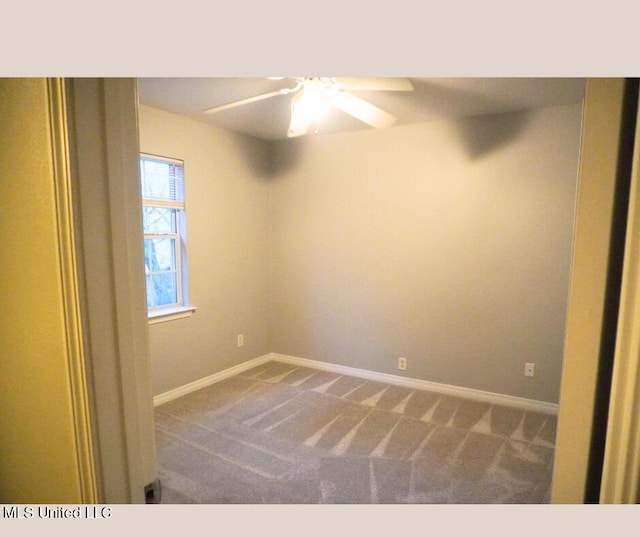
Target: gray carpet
284,434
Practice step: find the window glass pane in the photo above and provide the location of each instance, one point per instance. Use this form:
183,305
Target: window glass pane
161,289
162,180
160,254
160,267
159,219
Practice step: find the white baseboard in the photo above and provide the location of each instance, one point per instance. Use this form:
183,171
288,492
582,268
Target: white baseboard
208,381
468,393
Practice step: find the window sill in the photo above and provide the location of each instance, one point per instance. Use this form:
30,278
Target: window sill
170,314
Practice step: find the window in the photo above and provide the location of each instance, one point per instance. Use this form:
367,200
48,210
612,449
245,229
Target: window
163,218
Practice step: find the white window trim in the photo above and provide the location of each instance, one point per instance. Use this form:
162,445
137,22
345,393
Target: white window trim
170,313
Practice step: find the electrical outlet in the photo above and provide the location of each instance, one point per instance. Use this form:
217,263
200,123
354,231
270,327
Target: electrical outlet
402,364
529,369
240,340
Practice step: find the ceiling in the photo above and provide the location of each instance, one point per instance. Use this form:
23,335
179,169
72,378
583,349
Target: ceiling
431,99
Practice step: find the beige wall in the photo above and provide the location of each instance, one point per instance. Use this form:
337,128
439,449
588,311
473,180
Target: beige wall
447,243
39,461
227,181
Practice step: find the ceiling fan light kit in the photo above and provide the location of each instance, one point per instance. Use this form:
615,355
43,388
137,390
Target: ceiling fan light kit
314,96
309,106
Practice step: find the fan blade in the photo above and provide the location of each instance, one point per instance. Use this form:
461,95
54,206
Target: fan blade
249,100
375,84
362,110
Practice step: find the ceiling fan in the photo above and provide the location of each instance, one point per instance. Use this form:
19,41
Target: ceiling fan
313,96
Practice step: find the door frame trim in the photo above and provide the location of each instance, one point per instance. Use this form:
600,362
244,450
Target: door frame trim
621,466
72,314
